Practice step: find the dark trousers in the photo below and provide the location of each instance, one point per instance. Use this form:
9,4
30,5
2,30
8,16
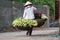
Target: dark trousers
29,31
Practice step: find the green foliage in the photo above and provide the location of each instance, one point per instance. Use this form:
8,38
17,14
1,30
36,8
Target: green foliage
50,3
20,22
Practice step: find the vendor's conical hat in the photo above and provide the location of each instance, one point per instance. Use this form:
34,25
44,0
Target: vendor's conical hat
27,3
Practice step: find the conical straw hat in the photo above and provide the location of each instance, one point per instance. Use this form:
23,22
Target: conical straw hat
27,3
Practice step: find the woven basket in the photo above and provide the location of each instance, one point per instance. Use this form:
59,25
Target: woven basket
40,23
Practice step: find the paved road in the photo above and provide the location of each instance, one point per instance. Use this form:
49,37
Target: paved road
42,34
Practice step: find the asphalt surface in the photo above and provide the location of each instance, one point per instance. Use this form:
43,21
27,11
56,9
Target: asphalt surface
40,34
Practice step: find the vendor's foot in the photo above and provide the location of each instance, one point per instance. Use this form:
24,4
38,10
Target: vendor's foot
26,33
29,34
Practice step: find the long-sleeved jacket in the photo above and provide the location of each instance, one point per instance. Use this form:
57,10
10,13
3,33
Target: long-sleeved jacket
29,12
